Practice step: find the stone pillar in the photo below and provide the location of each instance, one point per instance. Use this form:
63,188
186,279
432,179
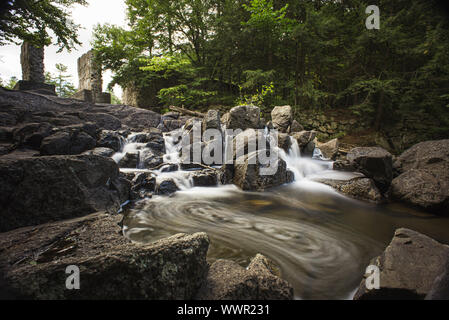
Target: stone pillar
90,80
32,60
33,77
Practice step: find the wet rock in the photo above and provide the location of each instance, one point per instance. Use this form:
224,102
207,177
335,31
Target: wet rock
143,185
205,178
247,174
424,176
408,267
329,149
172,124
305,142
284,141
103,152
42,189
282,118
244,117
166,187
358,188
110,139
375,163
226,280
129,160
34,261
344,165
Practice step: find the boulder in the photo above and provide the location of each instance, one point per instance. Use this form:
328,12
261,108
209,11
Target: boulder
69,140
247,175
110,139
329,149
408,267
226,280
423,189
129,160
102,120
305,141
166,187
244,117
205,178
295,127
375,163
141,119
358,188
33,262
440,287
41,189
32,134
284,141
212,120
143,185
423,176
281,118
245,139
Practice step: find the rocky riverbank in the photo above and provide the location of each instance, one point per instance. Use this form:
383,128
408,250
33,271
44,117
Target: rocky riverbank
68,167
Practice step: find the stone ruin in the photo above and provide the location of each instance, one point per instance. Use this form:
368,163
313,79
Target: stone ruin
33,77
90,81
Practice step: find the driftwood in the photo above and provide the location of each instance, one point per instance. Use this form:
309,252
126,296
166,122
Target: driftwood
187,112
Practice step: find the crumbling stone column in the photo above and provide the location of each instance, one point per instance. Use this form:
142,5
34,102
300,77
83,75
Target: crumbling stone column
90,80
32,60
33,77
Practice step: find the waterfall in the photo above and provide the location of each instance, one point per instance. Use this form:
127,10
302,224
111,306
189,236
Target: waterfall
302,167
130,146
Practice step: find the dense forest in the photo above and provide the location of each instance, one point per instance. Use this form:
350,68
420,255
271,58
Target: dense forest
310,54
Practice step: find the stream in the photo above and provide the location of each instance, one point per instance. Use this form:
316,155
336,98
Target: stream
321,240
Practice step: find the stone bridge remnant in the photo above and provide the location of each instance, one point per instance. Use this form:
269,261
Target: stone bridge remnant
90,81
33,76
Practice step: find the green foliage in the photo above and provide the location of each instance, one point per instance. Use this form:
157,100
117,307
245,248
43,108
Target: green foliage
10,84
34,21
64,88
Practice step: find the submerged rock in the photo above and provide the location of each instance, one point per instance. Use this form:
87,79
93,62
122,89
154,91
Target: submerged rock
226,280
33,262
408,267
375,163
42,189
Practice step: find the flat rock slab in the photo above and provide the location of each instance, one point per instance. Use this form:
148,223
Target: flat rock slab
408,267
33,261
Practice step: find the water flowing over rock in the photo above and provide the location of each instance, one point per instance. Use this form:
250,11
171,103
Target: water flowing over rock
305,141
244,117
34,260
424,176
226,280
408,267
358,188
281,118
374,162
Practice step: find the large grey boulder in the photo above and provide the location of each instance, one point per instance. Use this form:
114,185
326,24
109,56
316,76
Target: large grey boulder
247,174
212,120
243,117
408,267
305,141
423,176
440,287
33,262
375,163
329,149
282,117
226,280
41,189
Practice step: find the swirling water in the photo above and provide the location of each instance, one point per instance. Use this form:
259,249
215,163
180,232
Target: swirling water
321,240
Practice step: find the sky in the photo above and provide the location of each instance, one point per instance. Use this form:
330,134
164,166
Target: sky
98,11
